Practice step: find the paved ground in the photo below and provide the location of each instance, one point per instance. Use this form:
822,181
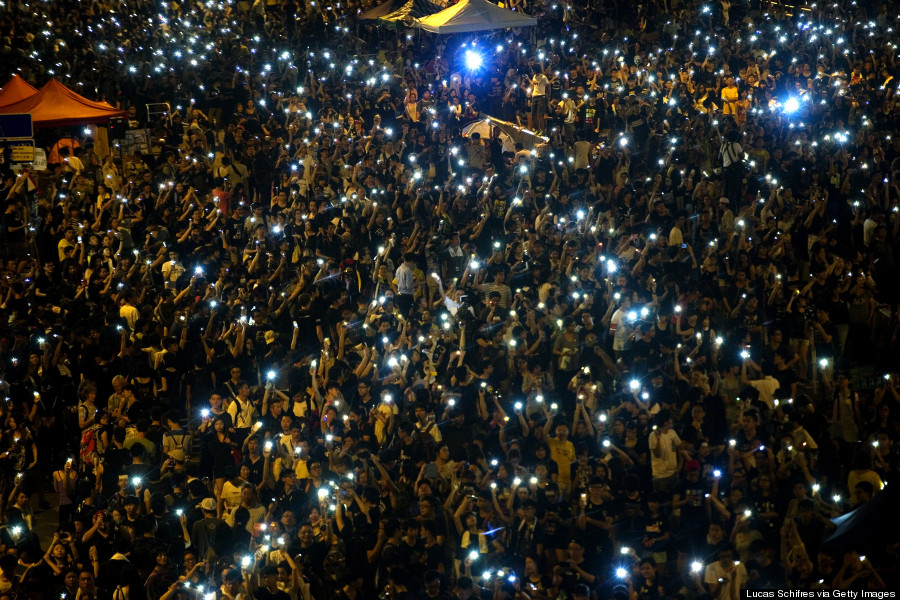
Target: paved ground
46,521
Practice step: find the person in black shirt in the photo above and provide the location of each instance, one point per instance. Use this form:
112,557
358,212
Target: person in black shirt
688,501
577,567
824,336
707,549
254,460
596,518
407,445
329,245
267,586
763,571
525,536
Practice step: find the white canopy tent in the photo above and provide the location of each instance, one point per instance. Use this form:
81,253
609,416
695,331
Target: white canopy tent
474,15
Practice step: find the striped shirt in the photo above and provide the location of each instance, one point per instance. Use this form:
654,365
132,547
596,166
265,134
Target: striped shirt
405,282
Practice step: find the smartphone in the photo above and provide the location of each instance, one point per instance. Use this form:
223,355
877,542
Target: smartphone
431,471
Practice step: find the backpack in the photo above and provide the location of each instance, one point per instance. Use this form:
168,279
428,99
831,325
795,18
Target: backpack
737,159
88,446
179,438
426,441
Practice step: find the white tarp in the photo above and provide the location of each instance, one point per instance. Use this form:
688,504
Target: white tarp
509,133
474,15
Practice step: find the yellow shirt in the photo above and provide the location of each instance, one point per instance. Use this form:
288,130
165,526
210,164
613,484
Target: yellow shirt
61,246
729,96
386,409
563,454
867,475
300,468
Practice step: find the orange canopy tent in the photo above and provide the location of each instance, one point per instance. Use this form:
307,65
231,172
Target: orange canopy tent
16,90
55,105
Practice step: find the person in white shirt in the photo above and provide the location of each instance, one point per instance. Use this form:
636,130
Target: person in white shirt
665,446
72,163
869,226
172,268
453,304
618,327
567,109
676,234
726,217
540,85
726,577
476,152
406,285
128,312
767,386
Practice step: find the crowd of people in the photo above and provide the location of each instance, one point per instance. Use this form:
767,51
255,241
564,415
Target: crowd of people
323,340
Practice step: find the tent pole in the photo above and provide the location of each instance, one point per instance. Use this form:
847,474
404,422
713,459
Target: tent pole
117,145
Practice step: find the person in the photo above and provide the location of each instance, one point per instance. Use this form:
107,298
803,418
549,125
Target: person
725,576
405,284
255,511
863,473
176,438
64,481
731,155
665,452
538,90
562,452
243,412
210,532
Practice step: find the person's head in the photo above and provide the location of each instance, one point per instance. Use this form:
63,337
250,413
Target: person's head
269,576
232,582
647,568
86,582
528,509
427,502
432,584
464,588
806,510
58,551
750,419
762,551
864,491
576,549
248,495
70,580
726,555
305,534
131,506
715,532
664,420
